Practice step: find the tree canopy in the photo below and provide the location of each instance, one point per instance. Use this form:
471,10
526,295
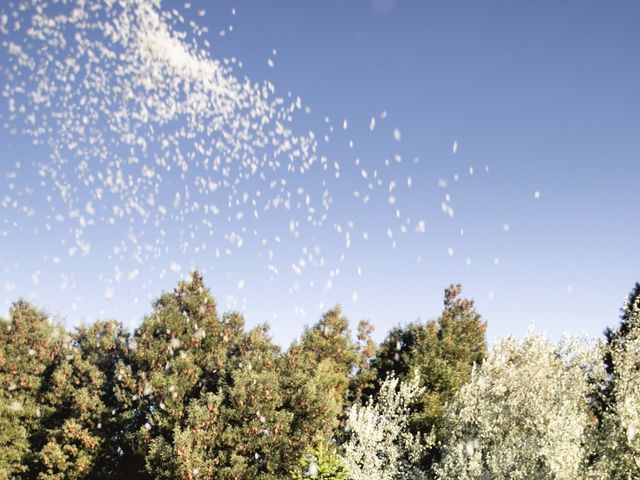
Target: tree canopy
192,393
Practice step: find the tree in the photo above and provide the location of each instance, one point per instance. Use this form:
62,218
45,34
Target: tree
380,445
29,344
524,414
62,396
88,418
364,375
618,440
205,395
318,370
73,409
443,352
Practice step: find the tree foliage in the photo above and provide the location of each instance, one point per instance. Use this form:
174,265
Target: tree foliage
321,463
29,347
618,442
204,394
523,415
380,445
317,375
194,394
443,352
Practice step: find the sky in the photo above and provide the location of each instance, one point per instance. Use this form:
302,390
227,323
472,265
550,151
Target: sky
503,154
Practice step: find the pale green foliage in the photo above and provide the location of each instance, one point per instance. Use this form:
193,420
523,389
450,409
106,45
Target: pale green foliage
380,445
320,463
524,414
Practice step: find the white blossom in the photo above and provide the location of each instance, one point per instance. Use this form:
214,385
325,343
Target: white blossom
380,446
523,414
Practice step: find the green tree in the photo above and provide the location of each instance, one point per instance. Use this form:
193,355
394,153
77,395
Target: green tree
443,352
364,375
205,395
81,392
29,344
72,411
62,394
318,370
617,452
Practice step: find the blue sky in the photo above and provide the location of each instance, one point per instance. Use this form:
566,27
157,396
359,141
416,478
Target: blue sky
544,94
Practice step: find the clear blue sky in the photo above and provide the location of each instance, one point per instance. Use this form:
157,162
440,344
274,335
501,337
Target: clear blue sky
545,94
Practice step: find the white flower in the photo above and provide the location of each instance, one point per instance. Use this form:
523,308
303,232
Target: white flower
523,413
380,446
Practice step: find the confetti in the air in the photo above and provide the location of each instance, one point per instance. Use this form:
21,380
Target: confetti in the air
177,153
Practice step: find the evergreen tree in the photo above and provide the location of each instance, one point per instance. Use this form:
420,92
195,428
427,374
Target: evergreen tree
98,350
443,352
619,336
29,344
204,395
318,370
617,452
364,375
72,404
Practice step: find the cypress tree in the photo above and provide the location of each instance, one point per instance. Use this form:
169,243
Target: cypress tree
318,369
29,346
205,395
443,352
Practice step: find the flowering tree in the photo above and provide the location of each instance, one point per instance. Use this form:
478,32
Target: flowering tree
524,414
380,445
